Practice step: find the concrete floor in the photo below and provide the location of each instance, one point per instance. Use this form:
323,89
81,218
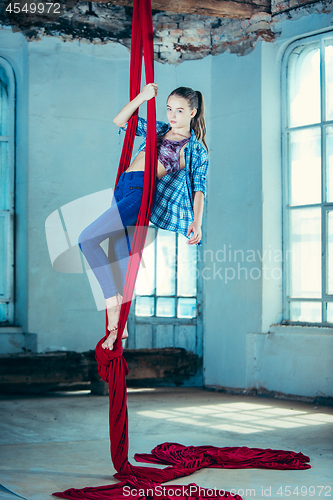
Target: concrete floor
57,441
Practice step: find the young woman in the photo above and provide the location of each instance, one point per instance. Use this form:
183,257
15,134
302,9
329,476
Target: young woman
179,197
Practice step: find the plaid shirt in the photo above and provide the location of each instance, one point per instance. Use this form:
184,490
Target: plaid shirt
173,207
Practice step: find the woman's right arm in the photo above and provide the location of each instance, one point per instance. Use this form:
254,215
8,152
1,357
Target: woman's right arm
148,92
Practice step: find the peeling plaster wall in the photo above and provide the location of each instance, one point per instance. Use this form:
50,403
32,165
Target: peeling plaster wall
177,37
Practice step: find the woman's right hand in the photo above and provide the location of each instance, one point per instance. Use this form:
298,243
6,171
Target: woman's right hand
149,91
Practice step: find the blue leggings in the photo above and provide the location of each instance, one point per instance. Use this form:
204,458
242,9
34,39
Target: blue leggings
113,223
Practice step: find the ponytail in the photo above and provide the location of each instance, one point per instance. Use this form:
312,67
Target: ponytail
196,101
198,121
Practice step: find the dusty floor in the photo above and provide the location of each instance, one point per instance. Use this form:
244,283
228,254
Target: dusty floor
57,441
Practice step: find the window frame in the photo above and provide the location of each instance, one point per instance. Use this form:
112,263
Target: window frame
9,212
155,296
324,206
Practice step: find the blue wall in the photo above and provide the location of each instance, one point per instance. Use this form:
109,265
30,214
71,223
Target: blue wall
233,303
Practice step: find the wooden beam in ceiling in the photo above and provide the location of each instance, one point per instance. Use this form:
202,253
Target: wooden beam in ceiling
216,8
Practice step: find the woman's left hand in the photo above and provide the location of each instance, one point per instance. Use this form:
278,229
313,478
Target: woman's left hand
196,230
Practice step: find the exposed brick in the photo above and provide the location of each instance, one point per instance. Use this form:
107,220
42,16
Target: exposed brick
232,27
262,25
161,32
177,32
236,34
187,39
169,26
268,36
190,55
261,16
217,38
171,17
245,23
167,46
169,40
217,31
186,24
177,37
190,32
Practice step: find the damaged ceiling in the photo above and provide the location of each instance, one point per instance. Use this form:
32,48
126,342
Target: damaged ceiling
186,29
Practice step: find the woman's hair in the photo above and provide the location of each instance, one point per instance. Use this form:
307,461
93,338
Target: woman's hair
195,101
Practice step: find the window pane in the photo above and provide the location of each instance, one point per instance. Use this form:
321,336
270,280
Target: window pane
3,103
329,81
305,166
4,257
165,306
5,188
329,308
305,249
186,268
144,306
3,312
145,283
187,308
166,263
304,85
305,311
329,252
329,163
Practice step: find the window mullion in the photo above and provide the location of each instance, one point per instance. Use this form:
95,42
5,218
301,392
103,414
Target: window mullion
323,176
285,193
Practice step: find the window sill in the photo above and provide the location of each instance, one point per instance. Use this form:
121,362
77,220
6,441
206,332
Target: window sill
10,329
302,329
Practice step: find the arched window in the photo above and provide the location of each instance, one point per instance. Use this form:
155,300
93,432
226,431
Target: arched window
7,142
308,180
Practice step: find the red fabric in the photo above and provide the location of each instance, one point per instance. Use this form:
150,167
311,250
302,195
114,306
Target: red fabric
237,457
181,460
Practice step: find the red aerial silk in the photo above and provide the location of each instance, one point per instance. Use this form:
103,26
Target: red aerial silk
112,367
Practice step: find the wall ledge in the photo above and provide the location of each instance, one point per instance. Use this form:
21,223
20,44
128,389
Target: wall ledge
269,394
291,360
303,329
10,329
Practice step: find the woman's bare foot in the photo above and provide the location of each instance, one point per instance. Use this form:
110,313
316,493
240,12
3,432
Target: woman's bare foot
109,342
113,305
113,309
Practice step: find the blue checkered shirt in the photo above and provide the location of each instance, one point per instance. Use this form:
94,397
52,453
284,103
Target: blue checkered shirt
173,207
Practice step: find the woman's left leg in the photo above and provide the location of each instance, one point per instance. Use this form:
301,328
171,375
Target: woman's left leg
112,223
122,241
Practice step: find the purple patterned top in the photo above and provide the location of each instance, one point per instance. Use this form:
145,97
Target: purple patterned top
168,153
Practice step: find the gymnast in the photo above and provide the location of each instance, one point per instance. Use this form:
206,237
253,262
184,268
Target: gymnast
179,195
